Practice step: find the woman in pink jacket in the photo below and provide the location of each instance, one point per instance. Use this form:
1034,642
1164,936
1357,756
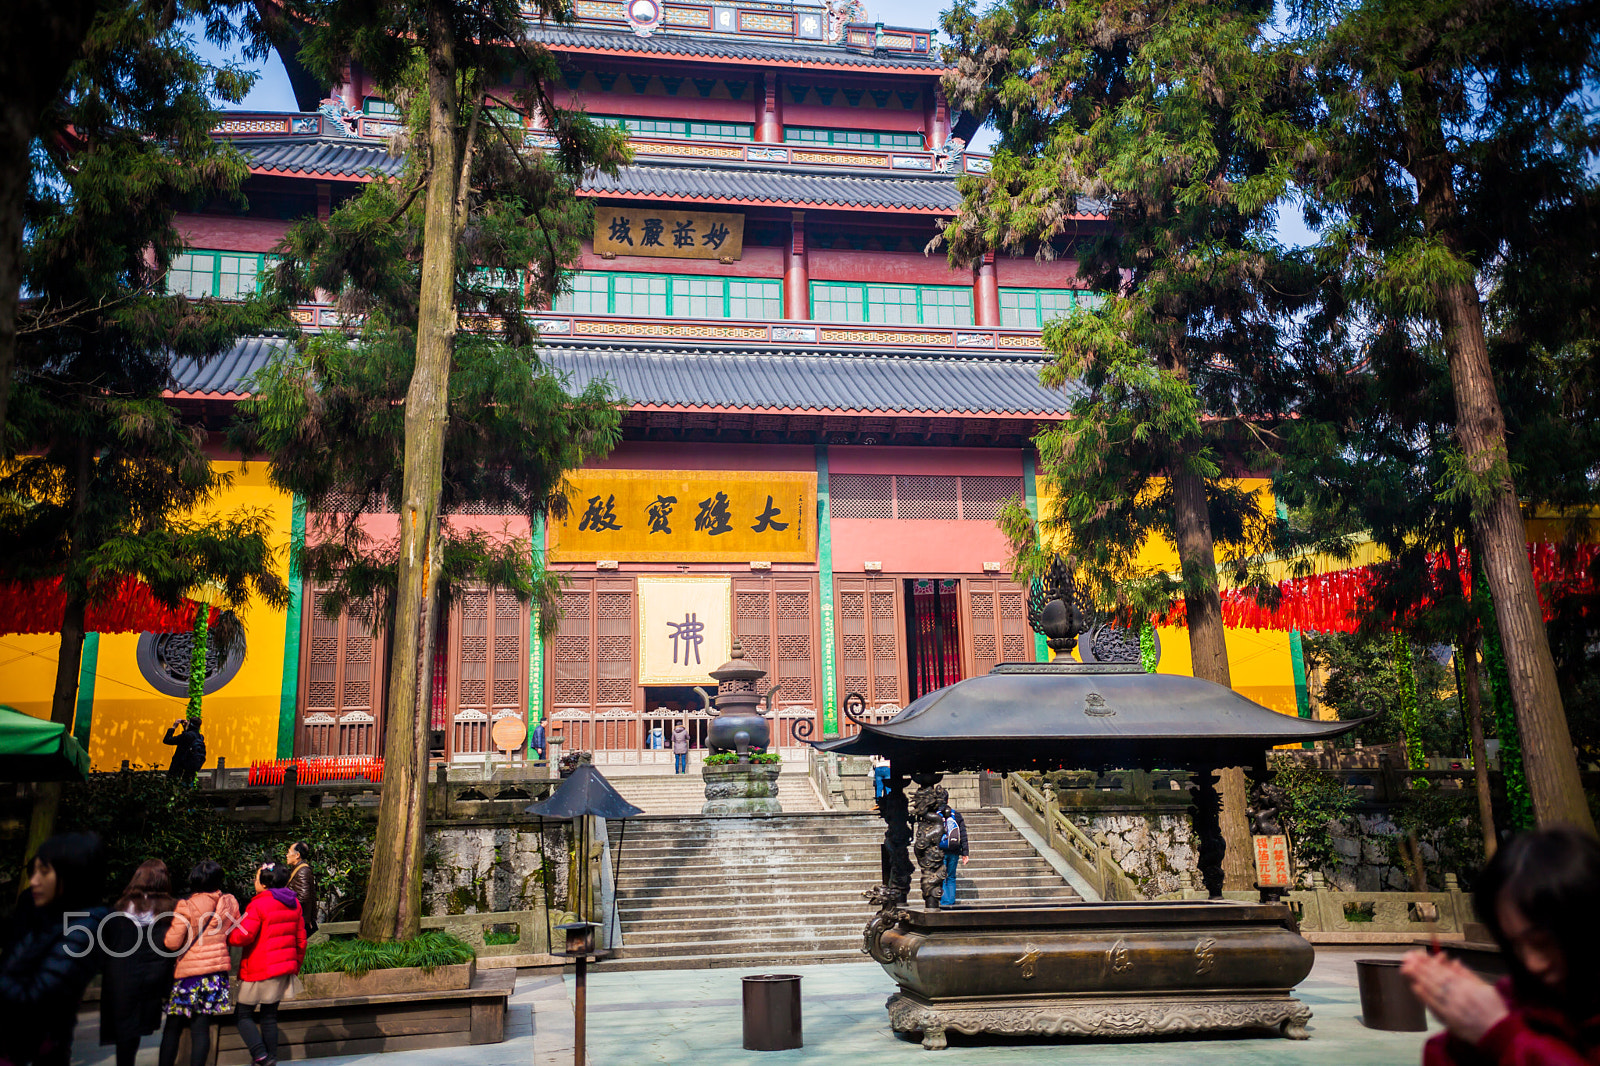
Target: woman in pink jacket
199,933
1540,897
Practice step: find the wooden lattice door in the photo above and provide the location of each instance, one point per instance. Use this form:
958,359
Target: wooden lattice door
871,628
341,689
488,669
593,696
775,620
997,622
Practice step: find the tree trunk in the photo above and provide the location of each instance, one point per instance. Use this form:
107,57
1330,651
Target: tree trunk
1208,653
1467,655
1497,525
394,896
47,37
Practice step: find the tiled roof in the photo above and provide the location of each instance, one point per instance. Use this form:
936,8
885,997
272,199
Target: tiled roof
754,186
225,376
784,380
565,39
743,378
320,157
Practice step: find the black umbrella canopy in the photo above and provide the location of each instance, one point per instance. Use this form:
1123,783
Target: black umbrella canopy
586,792
1045,715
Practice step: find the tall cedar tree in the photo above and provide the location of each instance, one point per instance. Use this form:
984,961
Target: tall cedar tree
108,476
38,73
479,224
1446,125
1175,118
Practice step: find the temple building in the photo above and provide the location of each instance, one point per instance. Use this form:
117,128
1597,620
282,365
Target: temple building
822,421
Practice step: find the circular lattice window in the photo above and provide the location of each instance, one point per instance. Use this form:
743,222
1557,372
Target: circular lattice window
1110,644
164,660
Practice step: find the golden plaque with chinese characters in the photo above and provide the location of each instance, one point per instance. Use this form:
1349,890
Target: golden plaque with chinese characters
721,516
661,231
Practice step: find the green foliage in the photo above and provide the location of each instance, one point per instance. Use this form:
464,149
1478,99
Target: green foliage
1410,726
497,937
1504,715
341,841
430,950
1362,679
197,662
1446,819
143,814
1312,804
1179,120
729,758
1148,655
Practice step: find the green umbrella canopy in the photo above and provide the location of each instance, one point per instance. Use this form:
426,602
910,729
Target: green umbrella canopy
36,749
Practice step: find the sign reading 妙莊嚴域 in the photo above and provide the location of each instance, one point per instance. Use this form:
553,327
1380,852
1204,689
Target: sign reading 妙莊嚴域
659,230
687,516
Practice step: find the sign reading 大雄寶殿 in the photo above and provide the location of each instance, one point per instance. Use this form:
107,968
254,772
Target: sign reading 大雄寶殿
659,230
688,516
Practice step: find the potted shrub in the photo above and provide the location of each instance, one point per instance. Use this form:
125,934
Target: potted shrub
436,961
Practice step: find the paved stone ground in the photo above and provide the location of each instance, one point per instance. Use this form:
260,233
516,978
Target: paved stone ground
693,1017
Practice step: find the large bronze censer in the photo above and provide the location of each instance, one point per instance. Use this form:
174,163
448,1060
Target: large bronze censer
1067,968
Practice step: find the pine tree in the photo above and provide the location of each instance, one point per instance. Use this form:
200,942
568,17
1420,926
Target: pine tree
1445,127
107,474
1176,119
479,227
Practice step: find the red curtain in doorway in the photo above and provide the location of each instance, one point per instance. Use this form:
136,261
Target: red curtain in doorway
935,609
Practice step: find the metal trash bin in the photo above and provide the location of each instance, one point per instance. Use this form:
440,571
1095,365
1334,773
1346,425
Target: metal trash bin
1387,1001
772,1012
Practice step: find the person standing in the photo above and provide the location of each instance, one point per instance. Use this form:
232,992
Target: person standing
138,970
190,756
49,952
954,843
680,748
303,882
273,935
199,932
538,738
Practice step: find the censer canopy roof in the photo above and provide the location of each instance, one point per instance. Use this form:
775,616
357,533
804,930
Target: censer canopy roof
1046,715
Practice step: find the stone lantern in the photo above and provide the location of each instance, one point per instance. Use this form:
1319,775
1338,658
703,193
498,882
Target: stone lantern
739,727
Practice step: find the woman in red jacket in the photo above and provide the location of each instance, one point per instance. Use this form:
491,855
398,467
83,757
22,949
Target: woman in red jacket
273,935
1540,897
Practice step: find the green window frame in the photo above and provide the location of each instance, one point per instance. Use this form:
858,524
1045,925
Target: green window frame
206,272
616,292
373,105
1033,308
675,129
888,305
852,138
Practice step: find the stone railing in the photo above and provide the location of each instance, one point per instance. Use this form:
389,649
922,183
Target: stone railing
1040,810
1332,916
531,928
452,796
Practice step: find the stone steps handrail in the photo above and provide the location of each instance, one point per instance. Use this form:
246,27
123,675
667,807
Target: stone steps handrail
1038,807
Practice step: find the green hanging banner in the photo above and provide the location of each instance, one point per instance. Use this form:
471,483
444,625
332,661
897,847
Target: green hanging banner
830,682
535,640
1030,492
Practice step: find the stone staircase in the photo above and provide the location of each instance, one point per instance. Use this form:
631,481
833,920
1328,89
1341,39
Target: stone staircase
712,892
683,794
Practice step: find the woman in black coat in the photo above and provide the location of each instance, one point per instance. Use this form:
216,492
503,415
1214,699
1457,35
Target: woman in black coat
49,952
138,973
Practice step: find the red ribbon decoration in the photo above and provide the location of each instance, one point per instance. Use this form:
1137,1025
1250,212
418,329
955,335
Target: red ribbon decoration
37,607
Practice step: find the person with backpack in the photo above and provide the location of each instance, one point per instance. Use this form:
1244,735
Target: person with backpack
190,757
138,969
273,935
954,843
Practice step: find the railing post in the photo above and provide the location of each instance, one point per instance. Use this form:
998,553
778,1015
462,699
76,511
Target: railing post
286,794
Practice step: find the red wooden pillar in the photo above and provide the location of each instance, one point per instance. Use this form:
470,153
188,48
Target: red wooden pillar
769,119
796,275
986,294
939,126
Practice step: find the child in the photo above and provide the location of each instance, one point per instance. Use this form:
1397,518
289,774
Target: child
273,935
199,933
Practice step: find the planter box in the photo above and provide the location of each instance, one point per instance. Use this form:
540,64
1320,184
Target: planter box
741,788
401,981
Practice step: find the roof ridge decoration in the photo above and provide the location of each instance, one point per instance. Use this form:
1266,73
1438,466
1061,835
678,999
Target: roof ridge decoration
841,24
